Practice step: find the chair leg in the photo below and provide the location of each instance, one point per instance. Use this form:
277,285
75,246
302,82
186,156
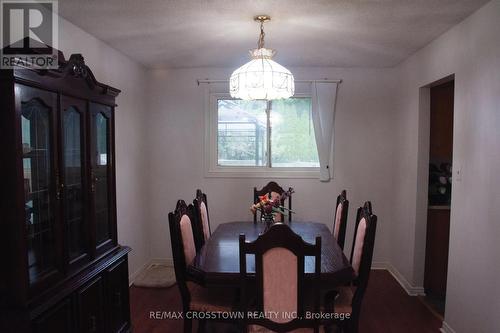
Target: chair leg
351,326
354,326
242,328
337,329
329,328
188,325
202,326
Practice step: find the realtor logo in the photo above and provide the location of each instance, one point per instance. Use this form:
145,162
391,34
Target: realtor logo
29,34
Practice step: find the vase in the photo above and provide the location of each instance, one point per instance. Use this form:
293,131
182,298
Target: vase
268,220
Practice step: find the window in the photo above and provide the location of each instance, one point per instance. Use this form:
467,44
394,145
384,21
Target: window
261,138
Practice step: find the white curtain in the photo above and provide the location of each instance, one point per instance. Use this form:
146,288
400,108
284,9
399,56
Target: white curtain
324,98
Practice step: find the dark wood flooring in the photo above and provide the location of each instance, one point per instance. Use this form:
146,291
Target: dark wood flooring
386,309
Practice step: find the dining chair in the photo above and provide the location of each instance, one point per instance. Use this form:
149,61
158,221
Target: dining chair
346,300
195,298
340,221
274,191
279,284
203,220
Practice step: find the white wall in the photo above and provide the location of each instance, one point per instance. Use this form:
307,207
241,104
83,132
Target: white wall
470,50
363,153
379,136
113,68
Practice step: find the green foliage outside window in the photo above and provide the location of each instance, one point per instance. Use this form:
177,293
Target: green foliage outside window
292,140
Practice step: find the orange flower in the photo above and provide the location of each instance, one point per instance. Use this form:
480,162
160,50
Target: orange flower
264,198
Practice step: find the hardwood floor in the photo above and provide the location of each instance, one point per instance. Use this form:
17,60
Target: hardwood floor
386,309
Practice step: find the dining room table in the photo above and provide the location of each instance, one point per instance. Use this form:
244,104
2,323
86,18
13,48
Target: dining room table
217,262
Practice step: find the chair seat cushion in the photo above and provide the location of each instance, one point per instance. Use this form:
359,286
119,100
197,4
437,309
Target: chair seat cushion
210,299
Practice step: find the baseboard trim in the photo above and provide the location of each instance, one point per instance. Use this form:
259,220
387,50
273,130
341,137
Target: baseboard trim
162,261
405,284
154,261
134,275
380,265
447,328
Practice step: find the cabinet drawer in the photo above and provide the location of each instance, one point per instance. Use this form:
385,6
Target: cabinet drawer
90,305
117,297
57,320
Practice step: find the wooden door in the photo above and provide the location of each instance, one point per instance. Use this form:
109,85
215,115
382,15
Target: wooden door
102,177
90,304
441,129
37,117
117,297
74,176
436,252
57,320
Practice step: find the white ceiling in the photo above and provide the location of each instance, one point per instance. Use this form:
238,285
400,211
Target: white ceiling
218,33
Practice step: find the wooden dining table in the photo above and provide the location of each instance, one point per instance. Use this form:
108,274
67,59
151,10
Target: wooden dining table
217,262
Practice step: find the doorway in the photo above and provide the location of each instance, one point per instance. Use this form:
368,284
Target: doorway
439,194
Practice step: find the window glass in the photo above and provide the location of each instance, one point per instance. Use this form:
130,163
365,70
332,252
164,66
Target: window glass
293,143
241,133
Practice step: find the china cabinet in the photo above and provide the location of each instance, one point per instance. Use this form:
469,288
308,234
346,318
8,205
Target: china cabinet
62,267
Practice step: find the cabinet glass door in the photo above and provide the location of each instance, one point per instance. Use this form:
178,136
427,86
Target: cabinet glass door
74,194
102,173
40,185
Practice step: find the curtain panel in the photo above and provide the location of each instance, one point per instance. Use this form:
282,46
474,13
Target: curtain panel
324,99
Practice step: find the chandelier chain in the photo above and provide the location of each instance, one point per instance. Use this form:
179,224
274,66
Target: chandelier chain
260,43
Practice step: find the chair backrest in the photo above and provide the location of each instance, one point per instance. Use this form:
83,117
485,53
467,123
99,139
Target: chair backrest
362,252
202,219
183,244
273,190
340,219
279,277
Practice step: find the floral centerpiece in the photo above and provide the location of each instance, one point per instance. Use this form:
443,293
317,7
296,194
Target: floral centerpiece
272,206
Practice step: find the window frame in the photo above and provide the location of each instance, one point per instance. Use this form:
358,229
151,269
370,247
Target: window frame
212,169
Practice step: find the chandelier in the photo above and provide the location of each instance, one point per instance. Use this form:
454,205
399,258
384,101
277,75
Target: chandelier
261,77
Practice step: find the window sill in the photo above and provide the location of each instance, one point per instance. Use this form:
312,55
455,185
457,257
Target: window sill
262,173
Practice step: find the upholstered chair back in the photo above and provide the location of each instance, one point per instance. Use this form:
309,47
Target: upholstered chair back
359,245
204,221
280,278
362,251
187,237
202,228
340,219
279,282
182,238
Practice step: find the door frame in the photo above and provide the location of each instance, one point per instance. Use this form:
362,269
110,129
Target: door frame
424,114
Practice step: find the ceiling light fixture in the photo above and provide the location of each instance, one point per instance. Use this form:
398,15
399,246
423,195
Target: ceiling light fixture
261,77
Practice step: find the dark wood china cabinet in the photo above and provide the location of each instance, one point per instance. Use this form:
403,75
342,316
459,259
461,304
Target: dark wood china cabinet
62,267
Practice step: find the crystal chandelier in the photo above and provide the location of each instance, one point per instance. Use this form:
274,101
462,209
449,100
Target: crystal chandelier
261,77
